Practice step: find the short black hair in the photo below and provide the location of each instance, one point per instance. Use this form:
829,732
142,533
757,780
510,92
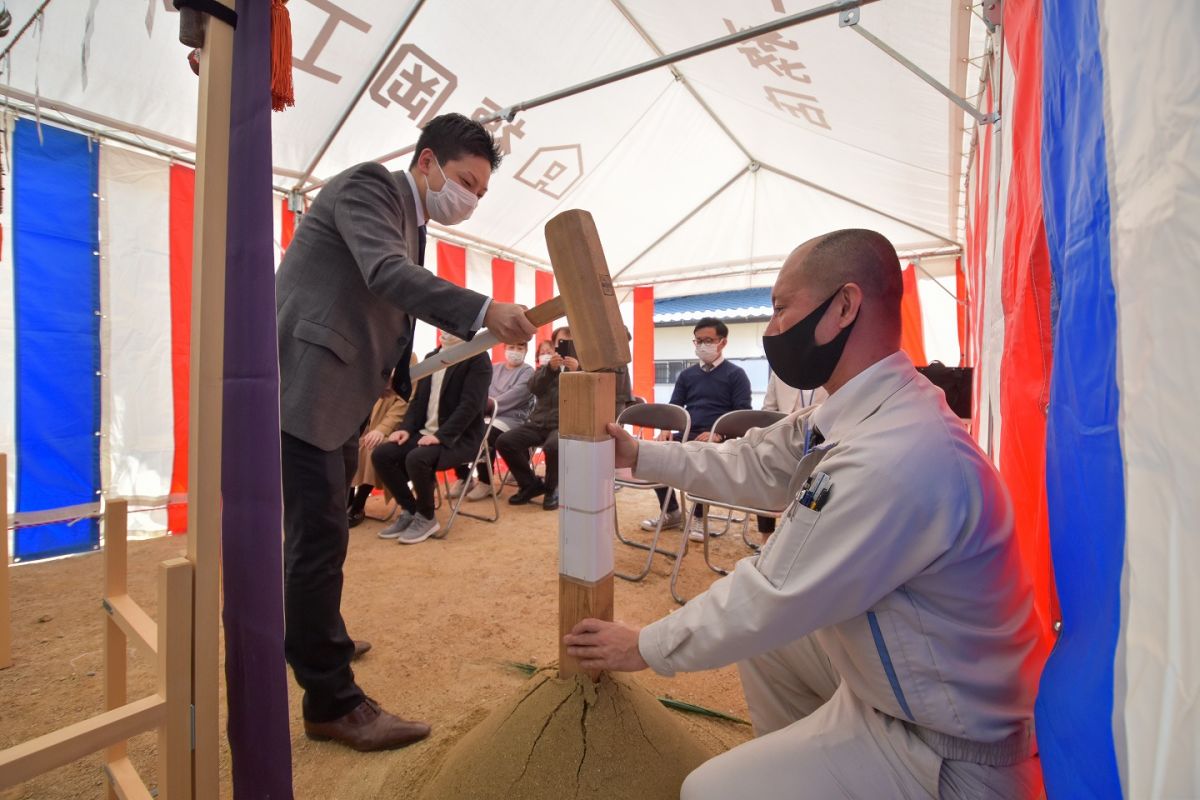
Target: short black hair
452,136
712,322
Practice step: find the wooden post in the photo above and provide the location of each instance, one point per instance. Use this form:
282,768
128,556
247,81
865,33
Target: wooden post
116,567
174,655
205,391
5,607
585,515
586,402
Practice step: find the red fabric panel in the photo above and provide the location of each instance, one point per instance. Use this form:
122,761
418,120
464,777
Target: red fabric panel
452,263
183,185
544,290
504,290
287,226
643,342
960,293
1025,294
912,332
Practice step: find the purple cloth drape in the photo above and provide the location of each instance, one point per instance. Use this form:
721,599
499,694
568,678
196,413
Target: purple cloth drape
252,538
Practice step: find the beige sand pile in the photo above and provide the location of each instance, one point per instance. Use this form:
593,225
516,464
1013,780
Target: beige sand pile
562,738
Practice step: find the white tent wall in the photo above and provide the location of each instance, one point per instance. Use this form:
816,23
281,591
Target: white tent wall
991,324
137,441
1152,159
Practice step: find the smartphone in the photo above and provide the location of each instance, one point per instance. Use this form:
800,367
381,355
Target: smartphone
566,349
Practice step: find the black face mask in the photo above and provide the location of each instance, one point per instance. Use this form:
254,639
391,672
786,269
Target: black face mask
796,357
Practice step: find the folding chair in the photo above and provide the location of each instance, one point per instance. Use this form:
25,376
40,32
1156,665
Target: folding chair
662,417
482,456
734,425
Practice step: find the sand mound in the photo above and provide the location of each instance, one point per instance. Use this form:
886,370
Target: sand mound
570,739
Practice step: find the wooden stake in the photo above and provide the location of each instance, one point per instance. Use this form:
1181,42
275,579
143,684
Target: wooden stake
174,653
5,607
207,364
116,515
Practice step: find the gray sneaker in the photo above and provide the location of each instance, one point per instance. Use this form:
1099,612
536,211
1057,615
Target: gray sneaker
420,529
480,491
397,527
670,520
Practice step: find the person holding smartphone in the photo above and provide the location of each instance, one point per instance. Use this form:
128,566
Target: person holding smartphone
541,430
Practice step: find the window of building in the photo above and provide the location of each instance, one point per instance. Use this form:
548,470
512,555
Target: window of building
668,371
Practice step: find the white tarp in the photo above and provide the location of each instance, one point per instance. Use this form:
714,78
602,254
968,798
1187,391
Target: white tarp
753,149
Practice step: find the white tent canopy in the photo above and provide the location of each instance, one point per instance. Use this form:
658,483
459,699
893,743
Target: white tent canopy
710,169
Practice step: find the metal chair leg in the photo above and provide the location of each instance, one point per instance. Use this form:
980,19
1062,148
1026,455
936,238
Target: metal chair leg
746,535
683,548
652,547
456,508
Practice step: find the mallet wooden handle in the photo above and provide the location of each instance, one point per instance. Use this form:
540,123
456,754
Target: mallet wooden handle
539,315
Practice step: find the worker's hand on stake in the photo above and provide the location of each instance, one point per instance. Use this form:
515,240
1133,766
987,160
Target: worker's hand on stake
611,646
508,322
626,446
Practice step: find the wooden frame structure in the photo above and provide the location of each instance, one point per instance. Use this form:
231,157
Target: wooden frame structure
169,710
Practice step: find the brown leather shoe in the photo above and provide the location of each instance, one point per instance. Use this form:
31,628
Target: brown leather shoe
361,646
368,727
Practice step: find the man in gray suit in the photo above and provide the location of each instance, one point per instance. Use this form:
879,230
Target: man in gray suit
348,293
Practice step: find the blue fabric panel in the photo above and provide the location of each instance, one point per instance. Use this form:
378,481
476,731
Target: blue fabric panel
1084,473
56,297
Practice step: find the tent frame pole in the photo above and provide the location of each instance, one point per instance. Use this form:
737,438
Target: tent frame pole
510,112
673,276
681,78
717,193
850,19
362,89
819,12
846,198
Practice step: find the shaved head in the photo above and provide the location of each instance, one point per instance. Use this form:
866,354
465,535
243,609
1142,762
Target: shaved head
853,255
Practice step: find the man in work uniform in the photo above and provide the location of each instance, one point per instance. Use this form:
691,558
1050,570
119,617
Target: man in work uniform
885,635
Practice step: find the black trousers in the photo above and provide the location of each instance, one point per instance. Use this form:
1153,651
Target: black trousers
398,464
315,536
485,468
514,445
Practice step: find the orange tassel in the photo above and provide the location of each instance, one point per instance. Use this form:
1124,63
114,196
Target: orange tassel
282,93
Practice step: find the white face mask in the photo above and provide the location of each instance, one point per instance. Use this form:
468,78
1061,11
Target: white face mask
451,204
544,359
514,357
706,352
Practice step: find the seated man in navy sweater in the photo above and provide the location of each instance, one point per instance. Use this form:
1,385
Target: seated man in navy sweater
707,390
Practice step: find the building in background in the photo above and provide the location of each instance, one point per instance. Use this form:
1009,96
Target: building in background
747,311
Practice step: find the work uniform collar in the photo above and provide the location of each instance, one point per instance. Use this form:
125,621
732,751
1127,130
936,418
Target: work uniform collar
862,395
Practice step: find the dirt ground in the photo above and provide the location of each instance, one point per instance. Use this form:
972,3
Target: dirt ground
445,618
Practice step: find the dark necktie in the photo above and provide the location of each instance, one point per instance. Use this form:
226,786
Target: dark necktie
816,438
400,382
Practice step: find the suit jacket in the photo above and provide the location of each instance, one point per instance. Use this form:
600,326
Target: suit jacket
461,404
347,295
